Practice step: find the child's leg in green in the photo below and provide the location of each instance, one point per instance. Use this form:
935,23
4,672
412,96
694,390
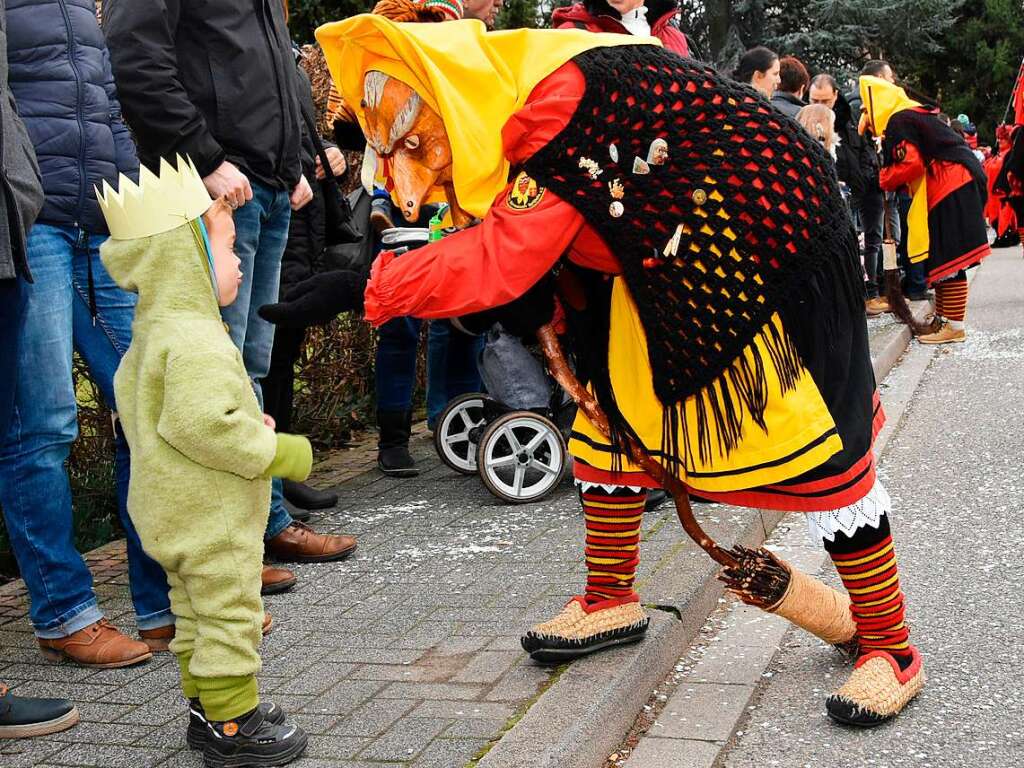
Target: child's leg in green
225,698
188,683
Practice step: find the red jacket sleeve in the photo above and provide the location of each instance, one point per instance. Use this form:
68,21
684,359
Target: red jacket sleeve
904,171
479,268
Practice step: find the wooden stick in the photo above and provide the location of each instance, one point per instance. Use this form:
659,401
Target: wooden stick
586,401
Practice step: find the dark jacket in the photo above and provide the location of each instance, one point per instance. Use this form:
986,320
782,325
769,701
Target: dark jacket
787,103
19,176
857,161
303,253
598,16
60,77
212,79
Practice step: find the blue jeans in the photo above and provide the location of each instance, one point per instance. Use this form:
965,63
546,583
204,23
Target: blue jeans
872,220
914,281
451,364
12,313
34,488
261,233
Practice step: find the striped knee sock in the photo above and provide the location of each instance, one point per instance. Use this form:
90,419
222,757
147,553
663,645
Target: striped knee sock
866,563
612,550
951,300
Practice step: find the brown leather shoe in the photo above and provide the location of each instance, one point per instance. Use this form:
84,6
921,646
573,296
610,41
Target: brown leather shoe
157,639
276,580
877,306
300,543
99,645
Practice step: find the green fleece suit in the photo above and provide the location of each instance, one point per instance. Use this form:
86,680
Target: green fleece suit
202,459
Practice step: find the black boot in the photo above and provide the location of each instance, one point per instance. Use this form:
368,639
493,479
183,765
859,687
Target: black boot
655,498
393,455
197,731
305,497
252,740
297,513
23,717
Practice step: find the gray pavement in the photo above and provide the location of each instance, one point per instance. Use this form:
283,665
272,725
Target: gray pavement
408,654
953,469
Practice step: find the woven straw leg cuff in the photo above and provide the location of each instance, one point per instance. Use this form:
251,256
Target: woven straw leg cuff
817,608
877,690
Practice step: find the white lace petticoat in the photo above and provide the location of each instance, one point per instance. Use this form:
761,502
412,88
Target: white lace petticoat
867,511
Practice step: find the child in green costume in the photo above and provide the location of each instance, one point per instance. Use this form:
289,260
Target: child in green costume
203,454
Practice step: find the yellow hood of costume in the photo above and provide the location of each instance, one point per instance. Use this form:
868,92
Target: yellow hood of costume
474,79
882,100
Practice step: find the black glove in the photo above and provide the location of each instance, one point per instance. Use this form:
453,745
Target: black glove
520,317
318,300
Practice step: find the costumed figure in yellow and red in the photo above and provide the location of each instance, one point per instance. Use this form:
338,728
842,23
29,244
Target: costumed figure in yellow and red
1009,183
717,302
946,223
998,212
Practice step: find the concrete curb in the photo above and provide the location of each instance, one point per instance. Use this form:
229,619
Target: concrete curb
583,716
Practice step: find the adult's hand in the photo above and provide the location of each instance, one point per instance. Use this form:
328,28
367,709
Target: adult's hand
318,300
337,161
301,195
229,182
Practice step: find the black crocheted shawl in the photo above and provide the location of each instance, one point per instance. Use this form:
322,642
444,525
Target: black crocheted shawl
934,140
761,228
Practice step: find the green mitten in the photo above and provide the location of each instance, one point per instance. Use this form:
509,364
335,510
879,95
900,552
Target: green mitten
293,459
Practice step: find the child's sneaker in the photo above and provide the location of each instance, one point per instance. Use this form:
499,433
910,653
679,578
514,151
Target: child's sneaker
196,735
252,740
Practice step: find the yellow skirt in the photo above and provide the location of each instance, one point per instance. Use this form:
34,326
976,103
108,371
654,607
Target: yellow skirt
800,433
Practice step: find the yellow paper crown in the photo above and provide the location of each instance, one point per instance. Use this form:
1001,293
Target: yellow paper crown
157,203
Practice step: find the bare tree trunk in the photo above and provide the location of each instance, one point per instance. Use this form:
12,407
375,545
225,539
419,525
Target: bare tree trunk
719,19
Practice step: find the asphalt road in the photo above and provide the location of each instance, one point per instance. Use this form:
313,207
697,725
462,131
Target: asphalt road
955,470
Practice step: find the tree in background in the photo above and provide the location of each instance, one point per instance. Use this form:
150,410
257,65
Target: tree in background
517,14
978,66
304,16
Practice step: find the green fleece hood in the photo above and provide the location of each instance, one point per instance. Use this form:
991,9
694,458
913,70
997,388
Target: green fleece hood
170,272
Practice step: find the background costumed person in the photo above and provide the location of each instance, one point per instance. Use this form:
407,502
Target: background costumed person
1009,182
946,221
203,453
998,212
723,332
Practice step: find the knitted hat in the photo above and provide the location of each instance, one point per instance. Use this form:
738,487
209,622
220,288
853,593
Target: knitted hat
419,10
451,8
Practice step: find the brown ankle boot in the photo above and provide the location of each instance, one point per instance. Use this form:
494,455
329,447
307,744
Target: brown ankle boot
300,543
276,580
99,645
157,639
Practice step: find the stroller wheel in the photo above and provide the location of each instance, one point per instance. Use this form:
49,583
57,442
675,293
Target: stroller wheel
458,429
521,457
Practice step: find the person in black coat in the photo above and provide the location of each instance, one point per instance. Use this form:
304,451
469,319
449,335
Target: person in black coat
303,258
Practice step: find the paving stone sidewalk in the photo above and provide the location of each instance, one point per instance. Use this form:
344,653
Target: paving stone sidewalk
405,655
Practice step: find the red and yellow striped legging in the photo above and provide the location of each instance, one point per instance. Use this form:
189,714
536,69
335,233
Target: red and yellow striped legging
866,563
613,519
951,298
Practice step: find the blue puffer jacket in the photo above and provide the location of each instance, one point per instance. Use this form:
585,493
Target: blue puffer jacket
61,80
